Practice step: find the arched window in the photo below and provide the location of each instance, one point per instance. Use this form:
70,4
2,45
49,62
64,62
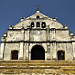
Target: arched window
32,24
38,24
61,55
43,24
14,55
38,17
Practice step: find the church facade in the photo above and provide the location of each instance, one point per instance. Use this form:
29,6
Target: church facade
38,32
38,37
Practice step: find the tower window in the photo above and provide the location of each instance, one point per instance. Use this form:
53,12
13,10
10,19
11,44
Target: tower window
38,17
38,24
43,24
32,24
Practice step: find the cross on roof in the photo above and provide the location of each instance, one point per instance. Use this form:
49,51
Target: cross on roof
37,6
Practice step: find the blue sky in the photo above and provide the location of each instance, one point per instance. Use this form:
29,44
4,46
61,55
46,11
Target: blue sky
12,10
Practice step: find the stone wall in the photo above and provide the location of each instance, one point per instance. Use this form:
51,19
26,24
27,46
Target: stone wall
10,47
51,50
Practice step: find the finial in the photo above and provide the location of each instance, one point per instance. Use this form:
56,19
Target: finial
54,17
71,33
38,8
22,17
11,25
5,34
65,26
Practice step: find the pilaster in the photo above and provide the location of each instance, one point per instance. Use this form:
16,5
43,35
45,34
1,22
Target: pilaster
23,34
48,51
2,51
2,48
54,51
73,45
21,52
51,51
53,34
48,34
27,52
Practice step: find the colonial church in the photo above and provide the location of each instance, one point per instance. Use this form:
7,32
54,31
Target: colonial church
37,45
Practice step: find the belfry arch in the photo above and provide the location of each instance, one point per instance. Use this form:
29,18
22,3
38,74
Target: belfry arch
37,53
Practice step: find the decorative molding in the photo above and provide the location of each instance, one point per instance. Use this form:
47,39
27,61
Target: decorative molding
35,29
37,41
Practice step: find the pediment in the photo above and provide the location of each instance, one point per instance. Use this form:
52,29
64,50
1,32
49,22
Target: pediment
41,16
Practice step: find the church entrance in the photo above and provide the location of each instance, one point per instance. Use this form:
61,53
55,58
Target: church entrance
61,55
37,53
14,55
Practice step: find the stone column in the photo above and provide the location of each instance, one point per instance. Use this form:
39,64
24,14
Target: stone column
27,52
24,51
54,37
53,34
73,45
48,34
23,35
2,48
2,51
54,51
51,51
21,52
48,51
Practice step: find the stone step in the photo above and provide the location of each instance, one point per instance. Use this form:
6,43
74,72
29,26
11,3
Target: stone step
14,67
34,61
37,63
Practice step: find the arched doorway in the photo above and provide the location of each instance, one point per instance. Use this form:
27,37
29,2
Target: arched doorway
14,55
61,55
37,53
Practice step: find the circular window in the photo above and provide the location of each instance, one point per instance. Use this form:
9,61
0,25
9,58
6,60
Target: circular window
38,17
